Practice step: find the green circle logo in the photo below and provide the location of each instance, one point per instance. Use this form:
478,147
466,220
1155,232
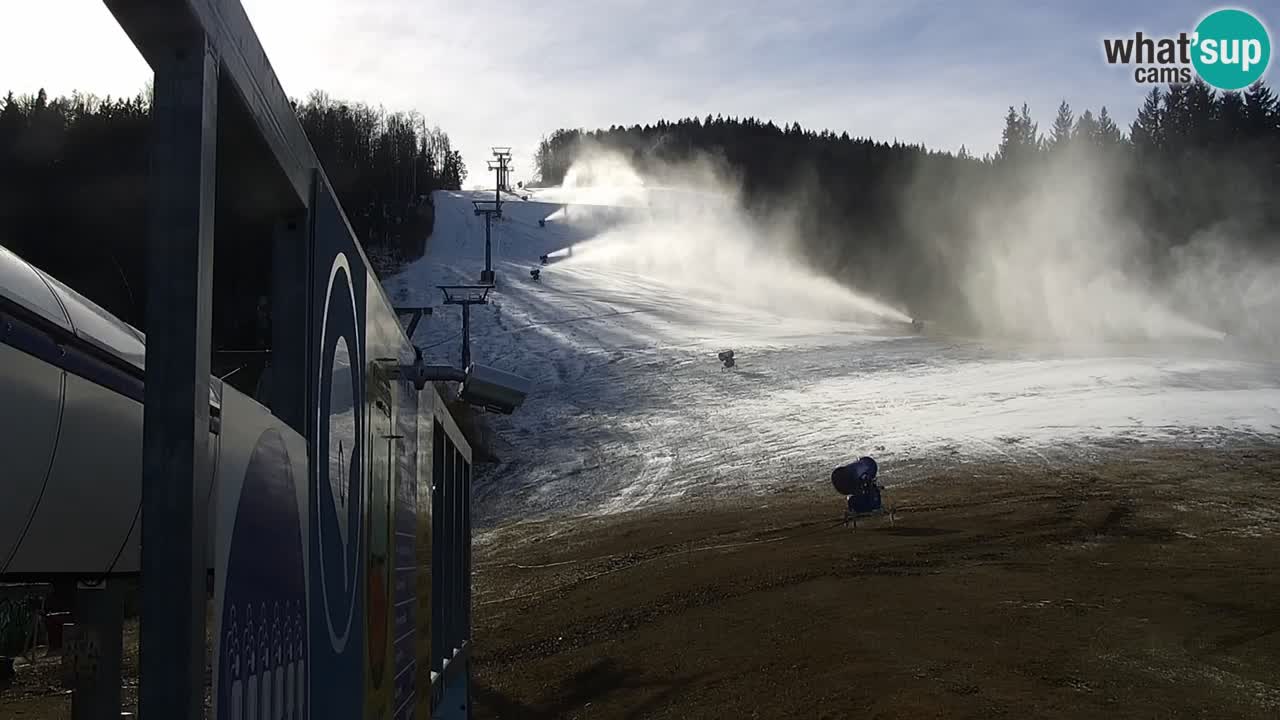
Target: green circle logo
1231,50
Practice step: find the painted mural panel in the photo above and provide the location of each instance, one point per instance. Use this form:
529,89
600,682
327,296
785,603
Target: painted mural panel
338,488
405,543
422,552
323,543
378,561
260,638
389,678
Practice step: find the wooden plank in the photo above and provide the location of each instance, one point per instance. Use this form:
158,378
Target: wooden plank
176,419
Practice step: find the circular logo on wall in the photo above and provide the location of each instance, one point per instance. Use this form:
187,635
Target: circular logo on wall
337,469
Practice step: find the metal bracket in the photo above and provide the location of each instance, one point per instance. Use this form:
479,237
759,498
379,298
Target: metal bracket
415,314
465,294
420,373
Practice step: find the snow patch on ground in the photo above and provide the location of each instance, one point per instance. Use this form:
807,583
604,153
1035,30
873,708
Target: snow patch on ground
631,407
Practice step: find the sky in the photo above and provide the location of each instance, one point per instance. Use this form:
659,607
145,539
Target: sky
503,73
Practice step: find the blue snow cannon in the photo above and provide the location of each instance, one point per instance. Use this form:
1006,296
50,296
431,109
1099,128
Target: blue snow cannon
857,481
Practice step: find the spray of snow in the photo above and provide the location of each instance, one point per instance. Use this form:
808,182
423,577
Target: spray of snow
689,229
630,406
1230,287
1056,258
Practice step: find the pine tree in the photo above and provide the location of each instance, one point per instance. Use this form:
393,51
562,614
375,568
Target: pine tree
459,171
1231,117
1109,134
1031,139
542,160
1062,125
10,112
1261,112
1011,137
1201,103
1147,131
1020,138
1086,129
1177,120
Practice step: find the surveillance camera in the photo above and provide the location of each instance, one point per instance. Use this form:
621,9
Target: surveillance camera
494,389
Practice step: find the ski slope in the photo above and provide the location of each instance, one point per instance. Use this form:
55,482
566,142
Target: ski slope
630,405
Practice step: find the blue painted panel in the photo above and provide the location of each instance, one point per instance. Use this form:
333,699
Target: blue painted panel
263,644
337,473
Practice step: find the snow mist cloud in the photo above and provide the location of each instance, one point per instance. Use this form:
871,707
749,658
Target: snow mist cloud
685,225
1058,260
1055,255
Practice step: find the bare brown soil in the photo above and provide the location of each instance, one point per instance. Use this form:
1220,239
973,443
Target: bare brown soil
1142,586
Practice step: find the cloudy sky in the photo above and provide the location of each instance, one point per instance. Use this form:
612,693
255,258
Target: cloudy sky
941,72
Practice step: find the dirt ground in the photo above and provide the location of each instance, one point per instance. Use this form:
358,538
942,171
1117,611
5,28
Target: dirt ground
37,693
1142,586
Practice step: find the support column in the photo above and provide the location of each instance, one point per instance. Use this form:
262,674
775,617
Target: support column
99,626
290,274
466,336
488,242
487,276
176,420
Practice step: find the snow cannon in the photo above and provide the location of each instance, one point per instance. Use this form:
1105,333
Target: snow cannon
536,274
917,325
850,479
543,259
542,222
726,357
858,482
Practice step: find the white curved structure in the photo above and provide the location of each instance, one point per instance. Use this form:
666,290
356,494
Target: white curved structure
71,391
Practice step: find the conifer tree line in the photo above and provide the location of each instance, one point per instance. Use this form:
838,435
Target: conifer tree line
73,176
897,218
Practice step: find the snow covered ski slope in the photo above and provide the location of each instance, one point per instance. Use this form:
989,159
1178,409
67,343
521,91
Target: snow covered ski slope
631,406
